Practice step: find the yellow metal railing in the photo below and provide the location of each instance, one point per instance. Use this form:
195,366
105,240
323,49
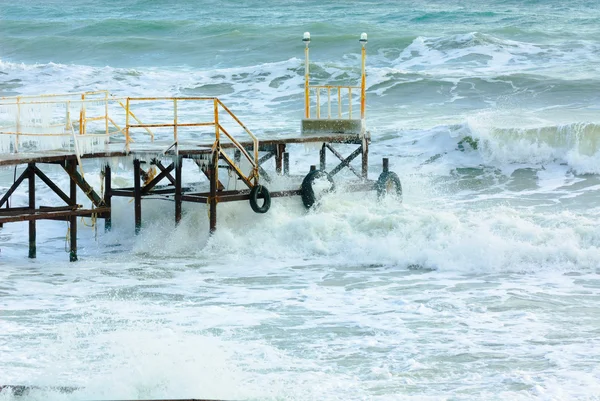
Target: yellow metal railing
337,98
99,116
337,89
220,133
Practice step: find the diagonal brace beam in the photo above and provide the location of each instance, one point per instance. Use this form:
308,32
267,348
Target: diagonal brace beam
84,186
162,168
14,186
164,172
53,187
345,161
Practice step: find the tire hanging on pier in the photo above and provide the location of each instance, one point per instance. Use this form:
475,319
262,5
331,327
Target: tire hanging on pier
388,183
307,189
259,191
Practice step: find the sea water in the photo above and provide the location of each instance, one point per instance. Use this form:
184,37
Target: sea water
482,284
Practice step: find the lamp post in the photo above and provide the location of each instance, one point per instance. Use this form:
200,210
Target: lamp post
306,40
363,79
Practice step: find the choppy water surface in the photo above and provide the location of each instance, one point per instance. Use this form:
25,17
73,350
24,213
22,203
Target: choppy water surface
483,284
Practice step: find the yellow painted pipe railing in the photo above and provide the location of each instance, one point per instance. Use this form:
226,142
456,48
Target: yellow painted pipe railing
102,116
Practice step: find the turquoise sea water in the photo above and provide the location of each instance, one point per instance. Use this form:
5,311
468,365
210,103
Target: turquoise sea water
482,284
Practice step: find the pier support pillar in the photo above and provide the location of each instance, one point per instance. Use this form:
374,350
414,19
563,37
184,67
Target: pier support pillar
178,202
107,198
72,219
32,232
386,164
279,158
137,194
322,157
213,168
286,163
365,157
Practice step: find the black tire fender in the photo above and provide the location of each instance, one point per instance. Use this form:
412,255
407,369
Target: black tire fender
307,191
388,183
259,191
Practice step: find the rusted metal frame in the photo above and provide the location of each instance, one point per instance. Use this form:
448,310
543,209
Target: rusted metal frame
261,161
194,198
345,161
178,192
164,172
83,185
73,218
42,214
137,196
15,185
16,211
53,186
32,230
162,168
107,198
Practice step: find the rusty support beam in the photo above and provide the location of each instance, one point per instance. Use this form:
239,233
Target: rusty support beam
16,211
53,186
52,214
32,232
164,172
15,185
83,185
279,158
73,218
107,198
345,161
323,157
137,196
178,202
162,168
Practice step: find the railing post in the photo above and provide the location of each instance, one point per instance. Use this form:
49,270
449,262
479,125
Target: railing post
318,102
18,124
306,40
339,90
349,103
106,112
82,115
329,102
216,111
363,78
